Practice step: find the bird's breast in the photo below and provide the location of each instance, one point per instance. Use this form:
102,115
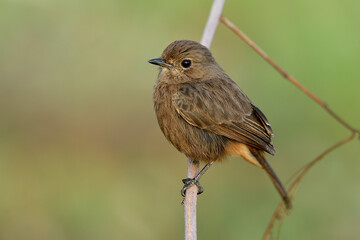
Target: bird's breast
196,143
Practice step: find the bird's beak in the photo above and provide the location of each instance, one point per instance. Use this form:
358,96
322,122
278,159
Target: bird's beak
159,61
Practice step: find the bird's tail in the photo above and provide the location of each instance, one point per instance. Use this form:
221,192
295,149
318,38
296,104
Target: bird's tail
266,166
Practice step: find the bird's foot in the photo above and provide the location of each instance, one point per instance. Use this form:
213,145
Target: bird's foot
189,182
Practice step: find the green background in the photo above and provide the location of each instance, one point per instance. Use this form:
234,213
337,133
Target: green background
82,157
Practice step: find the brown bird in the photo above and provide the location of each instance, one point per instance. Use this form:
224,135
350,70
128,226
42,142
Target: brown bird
206,115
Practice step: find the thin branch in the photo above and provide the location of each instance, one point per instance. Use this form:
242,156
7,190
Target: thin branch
193,166
213,21
279,212
285,74
190,202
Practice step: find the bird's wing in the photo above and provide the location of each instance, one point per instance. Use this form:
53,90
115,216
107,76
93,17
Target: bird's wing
219,106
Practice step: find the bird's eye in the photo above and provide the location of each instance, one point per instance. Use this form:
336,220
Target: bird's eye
186,63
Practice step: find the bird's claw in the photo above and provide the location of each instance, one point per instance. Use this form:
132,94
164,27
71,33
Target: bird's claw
189,182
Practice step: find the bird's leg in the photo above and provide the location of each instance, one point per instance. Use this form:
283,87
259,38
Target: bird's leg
189,182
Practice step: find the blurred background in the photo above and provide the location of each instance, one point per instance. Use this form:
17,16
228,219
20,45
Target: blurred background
81,154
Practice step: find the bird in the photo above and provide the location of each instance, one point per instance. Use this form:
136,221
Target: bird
204,114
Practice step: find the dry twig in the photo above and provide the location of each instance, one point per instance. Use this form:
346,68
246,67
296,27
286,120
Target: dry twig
285,74
193,166
279,212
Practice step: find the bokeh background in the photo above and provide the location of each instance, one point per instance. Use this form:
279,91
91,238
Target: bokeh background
82,157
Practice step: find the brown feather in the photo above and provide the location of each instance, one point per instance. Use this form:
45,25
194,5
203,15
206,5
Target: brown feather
224,109
205,114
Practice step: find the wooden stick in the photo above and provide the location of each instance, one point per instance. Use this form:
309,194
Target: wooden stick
285,74
213,21
190,202
193,166
279,212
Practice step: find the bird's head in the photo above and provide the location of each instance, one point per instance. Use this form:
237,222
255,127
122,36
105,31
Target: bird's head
185,61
